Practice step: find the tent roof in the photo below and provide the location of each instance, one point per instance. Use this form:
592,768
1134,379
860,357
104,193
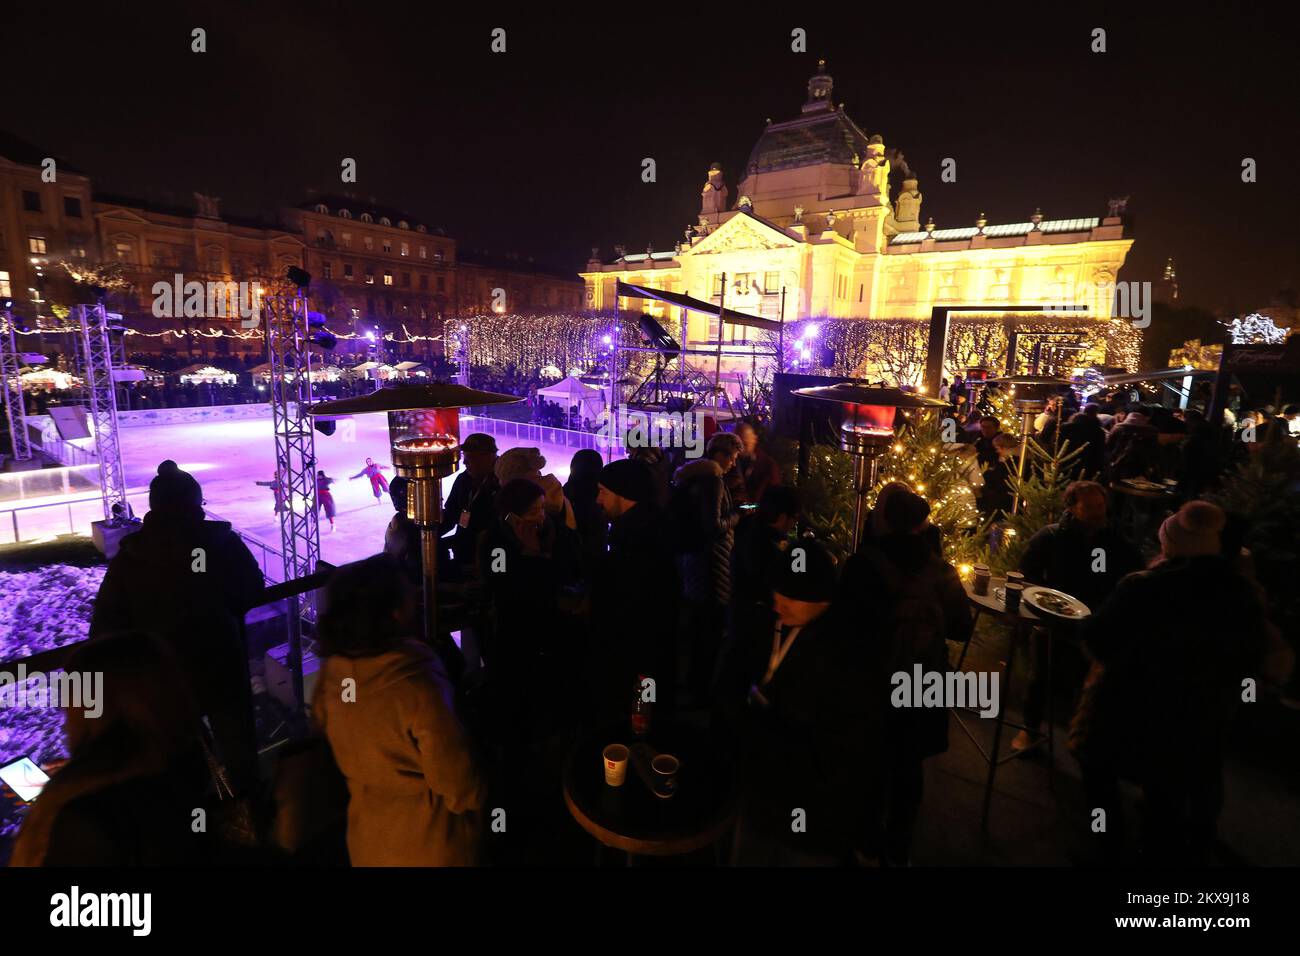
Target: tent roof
571,387
626,289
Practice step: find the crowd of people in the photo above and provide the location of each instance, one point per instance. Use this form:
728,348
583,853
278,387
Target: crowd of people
691,573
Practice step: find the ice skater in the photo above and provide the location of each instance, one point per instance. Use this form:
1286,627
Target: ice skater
277,490
378,483
324,499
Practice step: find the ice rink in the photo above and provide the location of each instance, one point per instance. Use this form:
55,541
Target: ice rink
228,458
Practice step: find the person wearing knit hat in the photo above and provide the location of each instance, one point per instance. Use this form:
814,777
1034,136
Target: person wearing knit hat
811,728
175,492
622,484
520,463
1193,531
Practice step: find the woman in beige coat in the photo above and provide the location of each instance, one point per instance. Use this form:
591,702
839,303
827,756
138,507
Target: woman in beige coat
384,702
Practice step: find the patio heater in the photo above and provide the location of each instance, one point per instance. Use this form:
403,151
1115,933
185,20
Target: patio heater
977,377
1032,393
424,428
867,429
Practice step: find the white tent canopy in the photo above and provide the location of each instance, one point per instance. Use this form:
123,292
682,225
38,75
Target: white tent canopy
573,392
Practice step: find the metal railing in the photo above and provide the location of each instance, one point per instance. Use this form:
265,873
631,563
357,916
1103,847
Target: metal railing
58,517
526,432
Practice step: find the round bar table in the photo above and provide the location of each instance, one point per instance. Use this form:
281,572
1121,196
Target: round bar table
631,817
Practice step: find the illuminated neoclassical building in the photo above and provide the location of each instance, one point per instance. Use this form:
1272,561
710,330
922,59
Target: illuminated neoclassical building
816,216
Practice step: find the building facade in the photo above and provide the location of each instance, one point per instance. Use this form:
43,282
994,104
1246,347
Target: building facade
827,223
375,269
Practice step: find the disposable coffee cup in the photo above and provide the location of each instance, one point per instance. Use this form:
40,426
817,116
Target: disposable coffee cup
1014,590
982,577
664,767
1015,577
614,759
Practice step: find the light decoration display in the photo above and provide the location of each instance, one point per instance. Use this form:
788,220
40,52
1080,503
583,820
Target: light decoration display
407,336
1255,329
565,340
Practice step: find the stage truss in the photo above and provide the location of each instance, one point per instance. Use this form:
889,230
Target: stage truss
97,360
15,413
288,335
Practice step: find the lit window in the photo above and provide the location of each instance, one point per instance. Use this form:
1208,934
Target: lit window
327,270
36,244
424,253
369,242
124,250
5,290
346,239
437,255
370,276
388,277
406,249
771,283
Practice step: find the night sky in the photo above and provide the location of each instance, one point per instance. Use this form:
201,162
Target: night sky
538,151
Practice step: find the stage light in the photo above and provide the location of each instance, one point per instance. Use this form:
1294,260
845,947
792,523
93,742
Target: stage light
811,331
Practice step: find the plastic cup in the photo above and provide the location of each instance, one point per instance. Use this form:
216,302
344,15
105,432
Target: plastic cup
614,758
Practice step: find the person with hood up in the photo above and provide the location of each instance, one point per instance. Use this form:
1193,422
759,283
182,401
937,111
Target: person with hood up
385,704
1132,447
189,582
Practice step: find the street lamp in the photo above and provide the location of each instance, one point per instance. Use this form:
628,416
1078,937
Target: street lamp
866,430
425,448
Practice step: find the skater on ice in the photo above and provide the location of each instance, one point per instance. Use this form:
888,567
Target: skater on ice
277,490
324,497
378,483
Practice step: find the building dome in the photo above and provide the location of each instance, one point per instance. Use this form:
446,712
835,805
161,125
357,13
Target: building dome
821,134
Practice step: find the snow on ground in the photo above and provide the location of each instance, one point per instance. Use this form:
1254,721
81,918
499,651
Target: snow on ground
44,609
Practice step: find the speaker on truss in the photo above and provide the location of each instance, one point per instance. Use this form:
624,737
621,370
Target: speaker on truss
658,336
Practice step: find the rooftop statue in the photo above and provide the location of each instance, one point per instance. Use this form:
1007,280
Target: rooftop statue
714,194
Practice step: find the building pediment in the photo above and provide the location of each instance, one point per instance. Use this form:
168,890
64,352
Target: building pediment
743,232
121,214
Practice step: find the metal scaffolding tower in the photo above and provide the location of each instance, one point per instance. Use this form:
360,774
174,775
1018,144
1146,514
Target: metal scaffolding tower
288,337
10,362
460,353
97,358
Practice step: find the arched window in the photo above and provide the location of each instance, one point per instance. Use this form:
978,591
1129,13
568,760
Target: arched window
366,217
322,209
384,221
421,229
345,214
403,224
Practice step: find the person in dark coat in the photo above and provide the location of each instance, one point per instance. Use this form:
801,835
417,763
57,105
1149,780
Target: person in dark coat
997,496
705,524
581,490
127,795
756,469
526,560
1084,556
1084,431
761,538
1171,648
812,734
471,503
190,582
634,594
661,469
915,599
989,428
1132,447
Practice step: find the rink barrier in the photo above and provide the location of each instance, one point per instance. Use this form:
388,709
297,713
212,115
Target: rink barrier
526,433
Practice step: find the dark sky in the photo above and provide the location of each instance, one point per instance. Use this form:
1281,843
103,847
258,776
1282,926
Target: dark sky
539,150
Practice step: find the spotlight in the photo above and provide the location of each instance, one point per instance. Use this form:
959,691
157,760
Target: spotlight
299,277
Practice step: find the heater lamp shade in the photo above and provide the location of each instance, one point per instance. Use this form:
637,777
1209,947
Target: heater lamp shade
856,393
870,419
1032,389
977,374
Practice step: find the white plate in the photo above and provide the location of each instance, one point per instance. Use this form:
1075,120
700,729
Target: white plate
1032,597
